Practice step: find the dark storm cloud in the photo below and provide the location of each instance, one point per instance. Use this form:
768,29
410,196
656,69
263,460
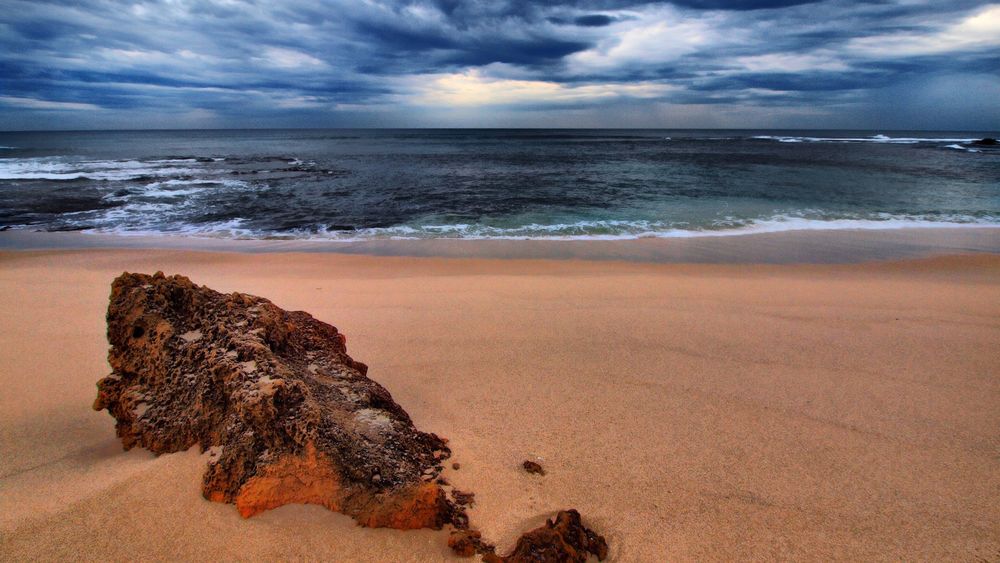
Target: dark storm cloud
388,62
593,20
396,42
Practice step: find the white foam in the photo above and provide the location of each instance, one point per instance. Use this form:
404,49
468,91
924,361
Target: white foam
961,148
153,192
629,230
632,230
178,187
231,229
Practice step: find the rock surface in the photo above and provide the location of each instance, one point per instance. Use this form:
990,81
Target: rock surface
286,414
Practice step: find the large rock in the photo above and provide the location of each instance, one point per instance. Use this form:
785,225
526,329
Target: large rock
286,414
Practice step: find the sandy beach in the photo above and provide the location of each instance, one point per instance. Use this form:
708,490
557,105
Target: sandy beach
688,411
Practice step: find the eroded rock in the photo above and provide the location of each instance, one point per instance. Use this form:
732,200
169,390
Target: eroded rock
287,415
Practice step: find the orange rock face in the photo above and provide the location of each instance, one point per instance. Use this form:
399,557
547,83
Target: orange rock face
286,414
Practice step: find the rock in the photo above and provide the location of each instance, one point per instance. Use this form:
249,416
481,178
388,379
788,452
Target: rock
987,142
532,467
463,498
288,416
456,466
466,543
564,539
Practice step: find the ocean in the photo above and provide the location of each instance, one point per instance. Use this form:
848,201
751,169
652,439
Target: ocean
493,184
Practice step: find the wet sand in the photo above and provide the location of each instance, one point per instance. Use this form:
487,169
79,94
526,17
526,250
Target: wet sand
690,412
785,247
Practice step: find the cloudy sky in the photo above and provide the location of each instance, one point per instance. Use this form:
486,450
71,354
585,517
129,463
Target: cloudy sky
873,64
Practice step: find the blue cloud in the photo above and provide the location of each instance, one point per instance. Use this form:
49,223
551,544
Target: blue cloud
741,4
593,20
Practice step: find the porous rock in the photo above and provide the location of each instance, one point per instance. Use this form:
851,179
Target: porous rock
286,414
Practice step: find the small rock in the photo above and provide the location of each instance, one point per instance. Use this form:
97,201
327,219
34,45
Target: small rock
466,543
532,467
564,539
463,498
456,466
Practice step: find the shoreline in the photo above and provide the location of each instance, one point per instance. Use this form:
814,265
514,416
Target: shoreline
689,411
835,246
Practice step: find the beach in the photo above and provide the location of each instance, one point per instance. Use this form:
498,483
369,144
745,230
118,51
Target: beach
689,411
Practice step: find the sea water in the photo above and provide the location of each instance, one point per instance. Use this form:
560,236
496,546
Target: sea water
506,184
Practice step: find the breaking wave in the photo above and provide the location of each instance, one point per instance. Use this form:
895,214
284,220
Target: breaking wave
240,228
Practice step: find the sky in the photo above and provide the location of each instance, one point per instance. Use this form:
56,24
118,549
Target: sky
848,64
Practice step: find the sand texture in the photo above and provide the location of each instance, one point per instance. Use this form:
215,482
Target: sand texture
689,412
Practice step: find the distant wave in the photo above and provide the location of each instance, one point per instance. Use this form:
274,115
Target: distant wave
962,148
872,139
59,169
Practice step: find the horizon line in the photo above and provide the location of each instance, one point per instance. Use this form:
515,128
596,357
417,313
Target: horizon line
124,130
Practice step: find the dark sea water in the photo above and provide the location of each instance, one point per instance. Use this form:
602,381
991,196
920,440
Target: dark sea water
365,184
